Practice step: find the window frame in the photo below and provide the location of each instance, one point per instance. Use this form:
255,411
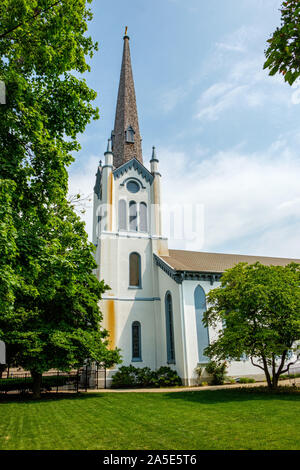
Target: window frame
139,286
144,204
170,337
139,357
199,310
125,215
130,204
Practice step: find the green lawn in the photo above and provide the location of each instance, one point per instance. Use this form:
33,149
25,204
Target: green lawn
223,419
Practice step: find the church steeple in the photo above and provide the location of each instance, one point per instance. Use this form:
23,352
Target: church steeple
126,139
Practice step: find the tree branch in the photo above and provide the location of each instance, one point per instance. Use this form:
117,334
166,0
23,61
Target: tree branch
32,18
256,365
289,365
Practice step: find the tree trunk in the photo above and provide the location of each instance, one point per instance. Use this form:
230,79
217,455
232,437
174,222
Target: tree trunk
2,369
267,374
37,382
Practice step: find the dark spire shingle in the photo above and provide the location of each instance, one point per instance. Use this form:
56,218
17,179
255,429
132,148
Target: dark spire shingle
126,126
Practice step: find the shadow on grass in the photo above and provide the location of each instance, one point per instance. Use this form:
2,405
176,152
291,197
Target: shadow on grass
237,395
203,396
28,398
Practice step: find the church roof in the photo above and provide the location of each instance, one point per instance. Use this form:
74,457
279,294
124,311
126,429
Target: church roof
126,119
198,261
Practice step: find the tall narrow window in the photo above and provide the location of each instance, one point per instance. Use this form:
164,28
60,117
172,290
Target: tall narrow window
132,216
122,215
202,331
134,270
136,341
143,217
169,329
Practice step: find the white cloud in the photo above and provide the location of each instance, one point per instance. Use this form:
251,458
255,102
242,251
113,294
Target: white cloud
212,104
251,201
243,84
238,40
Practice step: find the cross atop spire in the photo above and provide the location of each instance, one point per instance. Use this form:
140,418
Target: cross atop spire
126,139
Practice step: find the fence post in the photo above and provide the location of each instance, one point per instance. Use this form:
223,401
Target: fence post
57,381
86,377
104,376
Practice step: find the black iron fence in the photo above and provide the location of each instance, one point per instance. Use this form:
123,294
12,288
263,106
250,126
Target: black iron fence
83,379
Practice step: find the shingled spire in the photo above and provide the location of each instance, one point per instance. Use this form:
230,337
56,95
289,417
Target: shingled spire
126,139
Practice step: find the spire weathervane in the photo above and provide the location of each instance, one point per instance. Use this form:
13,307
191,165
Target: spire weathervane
126,27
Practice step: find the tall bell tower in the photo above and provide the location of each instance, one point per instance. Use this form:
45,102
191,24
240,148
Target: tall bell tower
127,231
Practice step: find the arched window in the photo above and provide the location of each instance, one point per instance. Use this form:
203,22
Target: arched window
130,135
133,216
134,270
143,217
169,329
136,341
202,331
122,215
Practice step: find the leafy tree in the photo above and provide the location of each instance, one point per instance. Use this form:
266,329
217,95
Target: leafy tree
259,308
49,296
283,53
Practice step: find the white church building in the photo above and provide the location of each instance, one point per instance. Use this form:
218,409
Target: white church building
157,295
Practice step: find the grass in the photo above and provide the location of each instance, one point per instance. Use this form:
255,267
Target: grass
222,419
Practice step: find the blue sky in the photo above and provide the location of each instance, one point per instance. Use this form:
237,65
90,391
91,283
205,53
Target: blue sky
227,135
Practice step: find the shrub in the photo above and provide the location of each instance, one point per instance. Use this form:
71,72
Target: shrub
246,380
203,384
218,372
289,376
130,376
167,377
125,377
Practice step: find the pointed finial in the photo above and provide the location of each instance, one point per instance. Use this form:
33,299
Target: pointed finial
125,35
109,148
154,157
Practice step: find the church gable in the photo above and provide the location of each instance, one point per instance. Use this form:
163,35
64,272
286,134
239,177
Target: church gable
135,165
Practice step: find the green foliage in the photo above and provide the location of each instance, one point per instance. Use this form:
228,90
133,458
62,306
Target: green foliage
167,377
284,46
289,376
218,372
134,377
259,307
246,380
49,315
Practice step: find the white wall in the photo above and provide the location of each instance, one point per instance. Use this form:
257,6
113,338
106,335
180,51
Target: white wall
236,368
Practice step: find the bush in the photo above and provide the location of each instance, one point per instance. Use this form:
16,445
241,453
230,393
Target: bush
166,377
137,377
289,376
246,380
218,372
